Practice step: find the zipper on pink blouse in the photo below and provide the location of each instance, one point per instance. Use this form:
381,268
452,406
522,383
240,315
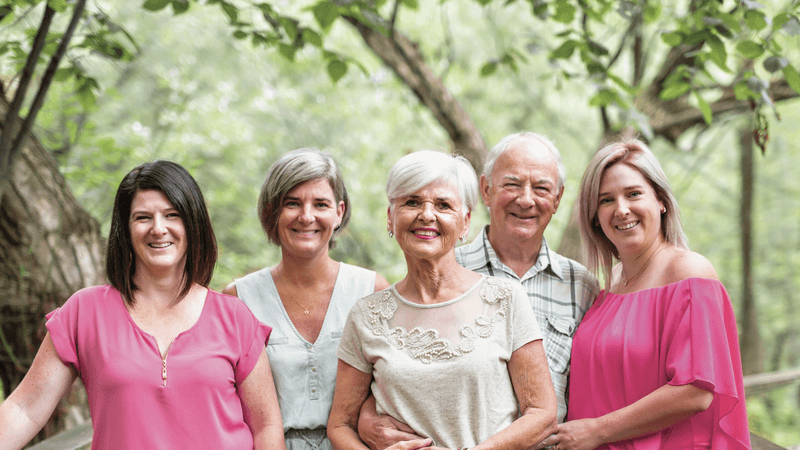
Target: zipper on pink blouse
164,362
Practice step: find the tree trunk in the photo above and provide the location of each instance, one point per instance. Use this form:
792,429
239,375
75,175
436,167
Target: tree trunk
49,248
752,360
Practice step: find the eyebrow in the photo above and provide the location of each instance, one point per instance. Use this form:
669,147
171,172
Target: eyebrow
625,188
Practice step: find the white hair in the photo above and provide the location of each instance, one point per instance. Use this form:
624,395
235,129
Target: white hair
419,169
533,140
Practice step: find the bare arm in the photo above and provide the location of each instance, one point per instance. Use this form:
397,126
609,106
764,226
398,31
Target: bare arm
230,290
380,283
260,406
530,376
381,431
352,388
661,408
29,407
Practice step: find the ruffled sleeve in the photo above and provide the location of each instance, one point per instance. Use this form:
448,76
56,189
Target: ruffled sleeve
701,343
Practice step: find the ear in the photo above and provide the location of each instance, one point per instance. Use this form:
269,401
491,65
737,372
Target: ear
340,211
389,218
465,230
557,201
485,190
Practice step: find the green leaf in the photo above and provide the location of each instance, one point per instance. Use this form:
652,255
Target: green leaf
565,13
326,13
63,74
336,69
755,20
239,34
750,49
652,11
621,83
488,68
792,77
779,20
731,23
675,90
412,4
290,27
540,10
742,92
312,37
704,108
287,50
673,38
718,52
57,5
603,98
564,51
231,11
180,6
155,5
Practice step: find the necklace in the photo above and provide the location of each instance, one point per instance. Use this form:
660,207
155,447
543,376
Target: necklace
626,281
305,310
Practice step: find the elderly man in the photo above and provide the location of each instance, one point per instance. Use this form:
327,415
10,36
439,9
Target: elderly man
522,185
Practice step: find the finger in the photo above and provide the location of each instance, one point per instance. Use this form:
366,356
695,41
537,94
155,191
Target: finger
404,428
412,444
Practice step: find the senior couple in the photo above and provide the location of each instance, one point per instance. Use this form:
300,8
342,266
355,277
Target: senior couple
500,343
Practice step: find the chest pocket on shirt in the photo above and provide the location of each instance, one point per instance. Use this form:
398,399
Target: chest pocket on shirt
558,337
280,340
336,334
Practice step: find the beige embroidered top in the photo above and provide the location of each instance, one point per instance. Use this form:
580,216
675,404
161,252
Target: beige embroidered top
442,369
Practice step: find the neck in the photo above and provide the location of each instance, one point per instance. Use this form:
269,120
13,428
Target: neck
430,282
520,256
305,271
162,289
634,265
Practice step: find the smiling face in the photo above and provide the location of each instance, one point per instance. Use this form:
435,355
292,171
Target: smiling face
158,235
427,223
523,194
308,215
628,210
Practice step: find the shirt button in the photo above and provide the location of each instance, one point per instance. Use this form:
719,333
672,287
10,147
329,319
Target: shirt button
313,390
313,369
311,348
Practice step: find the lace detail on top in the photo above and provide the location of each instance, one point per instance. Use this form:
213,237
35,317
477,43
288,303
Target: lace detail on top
425,344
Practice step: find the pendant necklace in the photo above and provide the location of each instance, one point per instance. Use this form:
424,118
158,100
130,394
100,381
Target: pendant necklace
305,310
626,281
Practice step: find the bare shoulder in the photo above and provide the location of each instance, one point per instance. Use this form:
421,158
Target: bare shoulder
683,264
230,289
380,283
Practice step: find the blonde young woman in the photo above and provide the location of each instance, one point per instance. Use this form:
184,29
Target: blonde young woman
303,206
655,361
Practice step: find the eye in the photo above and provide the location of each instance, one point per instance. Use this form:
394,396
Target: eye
321,205
605,200
510,185
140,217
291,203
634,194
443,205
411,202
173,215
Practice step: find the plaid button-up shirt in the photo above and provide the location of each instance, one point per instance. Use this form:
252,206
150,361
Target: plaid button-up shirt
560,291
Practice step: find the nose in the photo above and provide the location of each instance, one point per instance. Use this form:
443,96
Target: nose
622,209
159,225
306,215
427,215
526,198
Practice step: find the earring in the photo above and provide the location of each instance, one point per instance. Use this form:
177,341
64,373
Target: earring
663,210
462,239
391,234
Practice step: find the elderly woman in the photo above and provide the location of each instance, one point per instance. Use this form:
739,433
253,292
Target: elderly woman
456,355
167,363
672,377
303,206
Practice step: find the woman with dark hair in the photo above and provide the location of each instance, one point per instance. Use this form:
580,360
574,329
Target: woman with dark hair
655,361
167,363
303,206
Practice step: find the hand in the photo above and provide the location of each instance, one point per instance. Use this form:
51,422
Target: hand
412,444
574,435
381,431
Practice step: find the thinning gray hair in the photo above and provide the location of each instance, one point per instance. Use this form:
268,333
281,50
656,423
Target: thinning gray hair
600,252
294,168
419,169
532,140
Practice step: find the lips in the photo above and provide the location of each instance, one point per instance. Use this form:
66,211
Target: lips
160,244
627,226
426,233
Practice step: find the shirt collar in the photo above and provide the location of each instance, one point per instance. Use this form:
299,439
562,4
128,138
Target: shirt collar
546,260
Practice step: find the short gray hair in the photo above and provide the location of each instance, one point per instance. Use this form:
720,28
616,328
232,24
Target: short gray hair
294,168
419,169
532,139
634,153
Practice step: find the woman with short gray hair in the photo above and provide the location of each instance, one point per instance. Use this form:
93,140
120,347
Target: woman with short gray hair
305,298
454,355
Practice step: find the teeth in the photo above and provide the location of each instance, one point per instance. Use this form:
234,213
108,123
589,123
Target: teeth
164,245
426,233
628,226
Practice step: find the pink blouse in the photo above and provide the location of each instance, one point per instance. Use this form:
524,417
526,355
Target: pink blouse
627,346
135,401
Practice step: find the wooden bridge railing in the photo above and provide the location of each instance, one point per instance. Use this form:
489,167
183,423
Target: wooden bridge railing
81,436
